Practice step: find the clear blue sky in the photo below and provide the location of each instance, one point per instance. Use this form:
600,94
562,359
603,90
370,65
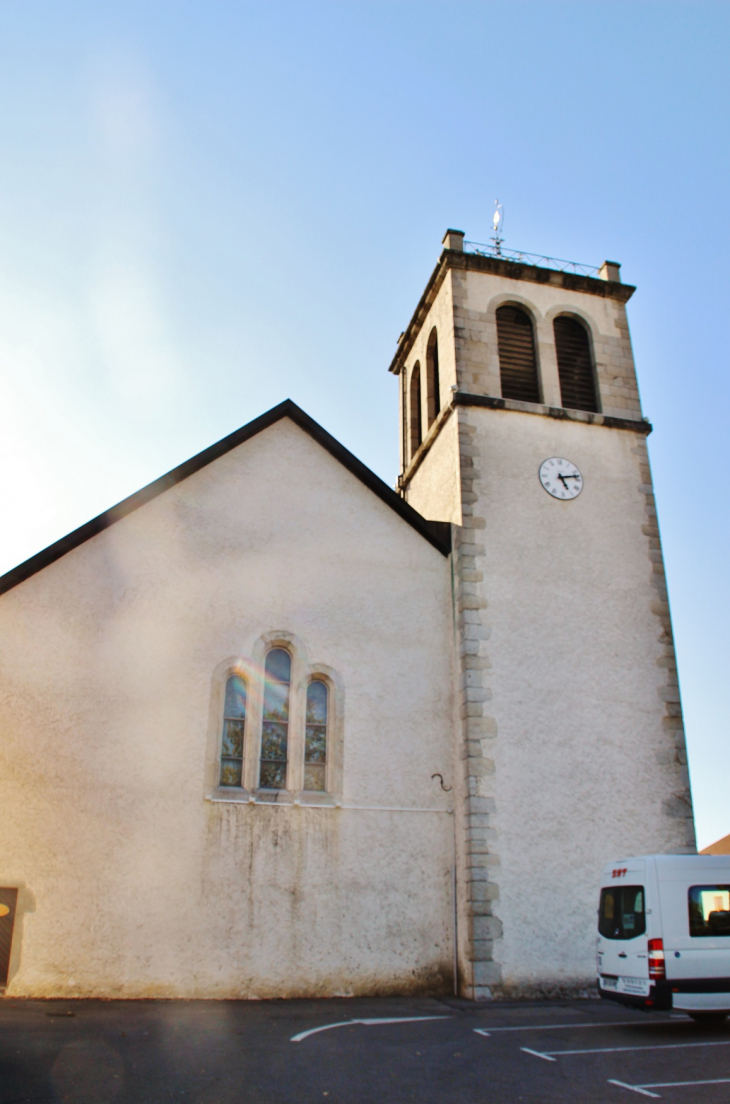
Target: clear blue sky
208,207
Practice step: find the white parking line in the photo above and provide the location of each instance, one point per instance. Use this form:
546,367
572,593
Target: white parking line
538,1054
478,1030
634,1088
642,1089
618,1050
569,1027
368,1023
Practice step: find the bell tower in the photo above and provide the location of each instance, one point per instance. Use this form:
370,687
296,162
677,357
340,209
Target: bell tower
521,425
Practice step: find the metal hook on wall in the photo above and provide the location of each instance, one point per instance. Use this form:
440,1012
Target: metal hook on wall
441,780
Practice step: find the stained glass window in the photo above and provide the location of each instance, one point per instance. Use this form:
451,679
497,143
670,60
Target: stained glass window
315,740
275,732
234,722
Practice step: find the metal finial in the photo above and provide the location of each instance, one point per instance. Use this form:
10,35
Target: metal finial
497,227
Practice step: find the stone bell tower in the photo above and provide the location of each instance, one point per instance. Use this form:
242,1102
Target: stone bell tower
521,425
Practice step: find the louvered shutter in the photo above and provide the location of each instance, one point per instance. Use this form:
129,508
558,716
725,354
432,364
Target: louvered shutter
575,365
517,363
433,388
415,411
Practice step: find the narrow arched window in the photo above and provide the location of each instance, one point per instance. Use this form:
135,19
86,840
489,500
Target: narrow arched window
433,396
415,410
575,364
234,723
404,418
315,739
275,731
517,361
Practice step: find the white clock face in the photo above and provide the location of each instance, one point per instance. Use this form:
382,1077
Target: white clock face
560,478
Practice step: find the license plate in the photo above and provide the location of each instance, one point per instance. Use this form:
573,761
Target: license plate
639,987
609,983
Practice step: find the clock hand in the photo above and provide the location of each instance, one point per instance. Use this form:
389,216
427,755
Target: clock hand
561,477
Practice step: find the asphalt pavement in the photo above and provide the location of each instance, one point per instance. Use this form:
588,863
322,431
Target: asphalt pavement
356,1052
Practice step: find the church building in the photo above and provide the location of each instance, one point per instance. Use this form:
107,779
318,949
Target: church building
271,728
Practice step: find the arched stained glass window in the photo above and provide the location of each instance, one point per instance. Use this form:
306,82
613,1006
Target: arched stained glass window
433,387
275,732
234,722
315,740
517,362
415,410
575,364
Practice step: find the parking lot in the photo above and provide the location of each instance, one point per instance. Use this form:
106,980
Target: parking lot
358,1051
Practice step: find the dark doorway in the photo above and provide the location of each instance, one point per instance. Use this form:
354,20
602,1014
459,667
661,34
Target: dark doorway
8,901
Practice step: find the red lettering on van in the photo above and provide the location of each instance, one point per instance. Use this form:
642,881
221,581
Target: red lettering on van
619,873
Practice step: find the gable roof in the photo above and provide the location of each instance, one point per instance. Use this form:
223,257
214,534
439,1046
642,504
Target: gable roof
437,533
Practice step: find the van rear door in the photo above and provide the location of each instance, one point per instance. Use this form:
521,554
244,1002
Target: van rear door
623,963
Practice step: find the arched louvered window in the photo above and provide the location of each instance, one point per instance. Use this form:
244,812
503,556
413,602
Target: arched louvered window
415,410
275,731
405,441
575,364
517,361
433,396
234,722
315,738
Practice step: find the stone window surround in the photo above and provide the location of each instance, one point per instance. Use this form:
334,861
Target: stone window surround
544,337
433,381
252,670
545,355
458,260
416,389
428,397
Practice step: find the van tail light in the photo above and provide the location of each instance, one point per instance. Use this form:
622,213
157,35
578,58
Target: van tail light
656,959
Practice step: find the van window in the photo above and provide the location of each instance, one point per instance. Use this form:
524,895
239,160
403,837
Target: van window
621,914
709,910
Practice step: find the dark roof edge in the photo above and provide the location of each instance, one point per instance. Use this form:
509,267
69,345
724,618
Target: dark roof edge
514,270
436,533
405,341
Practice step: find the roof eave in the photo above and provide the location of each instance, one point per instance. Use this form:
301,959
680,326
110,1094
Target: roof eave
435,532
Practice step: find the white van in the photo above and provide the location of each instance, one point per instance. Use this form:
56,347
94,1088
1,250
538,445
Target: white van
664,933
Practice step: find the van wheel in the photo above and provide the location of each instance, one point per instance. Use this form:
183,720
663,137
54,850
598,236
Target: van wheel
709,1019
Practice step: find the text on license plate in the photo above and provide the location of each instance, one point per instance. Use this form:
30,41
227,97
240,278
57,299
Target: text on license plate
639,987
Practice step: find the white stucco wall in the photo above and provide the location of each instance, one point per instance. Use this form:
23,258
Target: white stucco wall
434,487
583,765
132,882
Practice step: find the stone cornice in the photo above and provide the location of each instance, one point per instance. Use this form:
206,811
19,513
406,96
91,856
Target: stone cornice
464,398
476,262
637,425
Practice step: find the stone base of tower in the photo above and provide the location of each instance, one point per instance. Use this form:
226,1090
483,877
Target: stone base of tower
579,990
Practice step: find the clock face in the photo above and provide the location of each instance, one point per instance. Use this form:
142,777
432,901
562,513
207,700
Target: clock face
560,478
